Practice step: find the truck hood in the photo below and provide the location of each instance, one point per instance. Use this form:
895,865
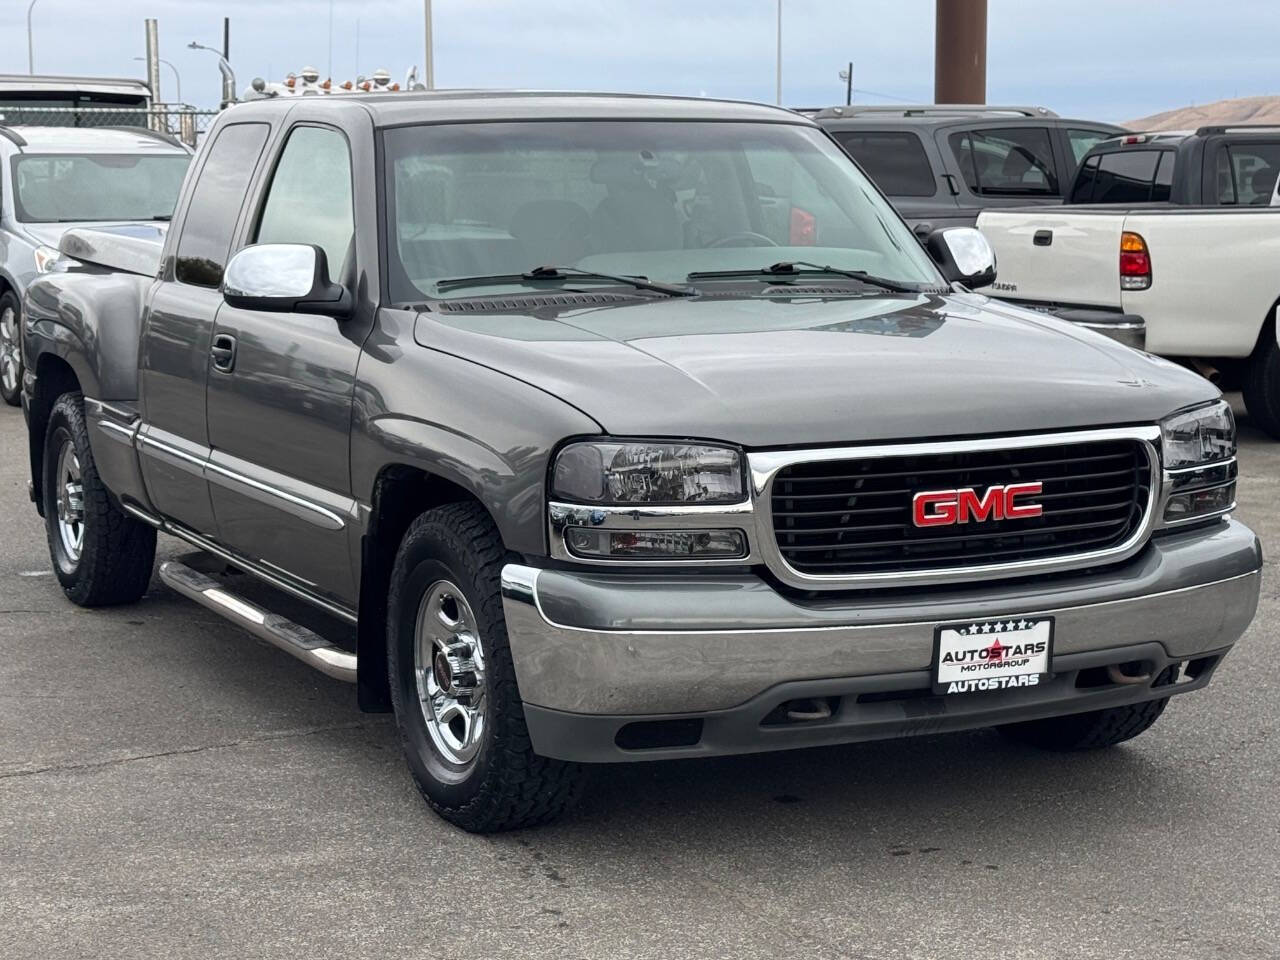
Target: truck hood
766,371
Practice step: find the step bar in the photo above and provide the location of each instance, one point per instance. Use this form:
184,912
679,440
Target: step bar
306,645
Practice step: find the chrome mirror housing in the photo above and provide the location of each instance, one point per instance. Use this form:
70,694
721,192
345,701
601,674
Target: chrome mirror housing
283,278
964,255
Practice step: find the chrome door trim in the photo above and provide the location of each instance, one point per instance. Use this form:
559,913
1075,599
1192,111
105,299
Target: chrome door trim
763,468
330,519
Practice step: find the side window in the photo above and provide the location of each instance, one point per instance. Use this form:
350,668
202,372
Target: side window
1126,177
1082,190
215,203
309,200
1082,141
1007,162
1247,173
895,161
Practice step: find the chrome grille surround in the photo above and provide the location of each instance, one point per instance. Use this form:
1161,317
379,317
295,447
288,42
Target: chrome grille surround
764,467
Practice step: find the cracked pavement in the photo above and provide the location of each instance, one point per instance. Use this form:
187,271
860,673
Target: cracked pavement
171,787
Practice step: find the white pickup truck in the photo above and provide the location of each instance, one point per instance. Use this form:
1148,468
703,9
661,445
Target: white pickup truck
1182,257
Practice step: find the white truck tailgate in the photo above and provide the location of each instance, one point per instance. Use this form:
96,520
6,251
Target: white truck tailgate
1051,255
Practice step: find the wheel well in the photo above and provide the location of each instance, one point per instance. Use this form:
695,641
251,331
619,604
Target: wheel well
54,377
400,495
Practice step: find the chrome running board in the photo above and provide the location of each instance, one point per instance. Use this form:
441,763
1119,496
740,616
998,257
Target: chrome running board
307,646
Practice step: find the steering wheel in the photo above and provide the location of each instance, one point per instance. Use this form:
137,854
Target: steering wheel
760,240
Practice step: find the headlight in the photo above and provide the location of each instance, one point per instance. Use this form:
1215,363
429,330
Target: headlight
45,258
620,473
1202,435
1199,448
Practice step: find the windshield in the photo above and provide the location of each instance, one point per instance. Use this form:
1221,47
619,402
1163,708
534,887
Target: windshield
65,188
654,199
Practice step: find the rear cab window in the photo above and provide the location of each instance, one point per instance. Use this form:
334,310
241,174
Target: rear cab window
215,204
1246,173
1126,176
895,160
1007,161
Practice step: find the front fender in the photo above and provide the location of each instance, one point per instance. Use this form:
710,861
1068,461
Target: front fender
480,429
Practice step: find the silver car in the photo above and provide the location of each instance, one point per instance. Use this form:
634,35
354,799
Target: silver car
55,178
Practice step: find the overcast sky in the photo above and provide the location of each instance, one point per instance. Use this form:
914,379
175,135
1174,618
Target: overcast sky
1097,59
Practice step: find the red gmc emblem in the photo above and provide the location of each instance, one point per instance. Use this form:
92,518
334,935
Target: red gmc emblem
942,508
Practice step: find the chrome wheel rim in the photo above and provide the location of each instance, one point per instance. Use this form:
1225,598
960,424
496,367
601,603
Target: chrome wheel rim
70,502
448,665
10,350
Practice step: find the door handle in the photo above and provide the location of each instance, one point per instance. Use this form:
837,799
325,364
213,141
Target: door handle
223,352
1043,238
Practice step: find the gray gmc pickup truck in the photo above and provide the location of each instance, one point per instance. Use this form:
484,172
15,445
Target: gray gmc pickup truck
617,428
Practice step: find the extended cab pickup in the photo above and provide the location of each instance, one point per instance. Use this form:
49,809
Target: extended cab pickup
1168,244
624,428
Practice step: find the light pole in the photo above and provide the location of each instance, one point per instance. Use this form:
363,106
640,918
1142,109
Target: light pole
228,75
177,78
31,57
428,71
779,51
847,77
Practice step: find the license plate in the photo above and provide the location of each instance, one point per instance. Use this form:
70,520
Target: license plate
992,655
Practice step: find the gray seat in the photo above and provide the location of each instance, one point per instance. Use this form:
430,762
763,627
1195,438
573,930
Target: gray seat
635,214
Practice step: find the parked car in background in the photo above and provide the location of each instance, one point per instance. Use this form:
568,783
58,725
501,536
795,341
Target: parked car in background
1222,166
943,164
54,178
1170,244
625,428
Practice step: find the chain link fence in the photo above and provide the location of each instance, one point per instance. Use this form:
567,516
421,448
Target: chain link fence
184,122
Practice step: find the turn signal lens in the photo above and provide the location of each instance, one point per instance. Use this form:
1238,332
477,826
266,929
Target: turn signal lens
1135,262
655,544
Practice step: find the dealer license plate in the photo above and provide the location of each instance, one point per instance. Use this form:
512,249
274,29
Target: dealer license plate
992,655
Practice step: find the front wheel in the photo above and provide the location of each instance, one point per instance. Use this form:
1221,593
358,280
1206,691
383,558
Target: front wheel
101,555
453,685
10,349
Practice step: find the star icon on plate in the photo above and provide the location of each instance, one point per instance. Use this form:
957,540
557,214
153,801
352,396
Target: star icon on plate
986,628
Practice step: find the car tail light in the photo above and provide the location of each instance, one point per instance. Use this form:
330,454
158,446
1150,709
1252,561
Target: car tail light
1135,262
804,228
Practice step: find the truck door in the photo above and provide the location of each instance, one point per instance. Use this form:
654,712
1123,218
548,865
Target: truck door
174,442
280,387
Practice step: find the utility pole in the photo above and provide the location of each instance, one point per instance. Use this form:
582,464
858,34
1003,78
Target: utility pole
779,101
847,77
960,52
429,70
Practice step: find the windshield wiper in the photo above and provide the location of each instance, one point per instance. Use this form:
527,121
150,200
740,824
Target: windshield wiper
549,273
796,268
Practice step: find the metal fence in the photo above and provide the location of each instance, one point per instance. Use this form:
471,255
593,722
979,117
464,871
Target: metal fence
178,120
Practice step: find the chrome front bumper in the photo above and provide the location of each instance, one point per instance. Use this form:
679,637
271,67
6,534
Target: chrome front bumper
626,646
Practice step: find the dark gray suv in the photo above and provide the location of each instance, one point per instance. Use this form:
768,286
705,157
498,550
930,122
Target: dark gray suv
941,165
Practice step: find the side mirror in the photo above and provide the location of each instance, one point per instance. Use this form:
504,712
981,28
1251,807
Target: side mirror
964,255
284,278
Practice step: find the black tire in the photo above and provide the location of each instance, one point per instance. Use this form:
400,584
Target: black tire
116,552
10,349
1261,385
1093,730
505,785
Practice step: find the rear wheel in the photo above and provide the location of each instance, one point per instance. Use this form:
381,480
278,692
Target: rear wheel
100,554
1093,730
1261,385
10,349
453,685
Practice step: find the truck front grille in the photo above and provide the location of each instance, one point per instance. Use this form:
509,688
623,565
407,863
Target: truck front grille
854,517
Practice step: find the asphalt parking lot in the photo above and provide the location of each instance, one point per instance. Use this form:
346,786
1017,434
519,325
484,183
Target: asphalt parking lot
171,787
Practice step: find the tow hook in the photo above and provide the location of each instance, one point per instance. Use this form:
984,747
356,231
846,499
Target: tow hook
809,709
1116,674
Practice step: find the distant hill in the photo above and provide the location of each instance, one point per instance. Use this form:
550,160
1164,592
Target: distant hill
1242,110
